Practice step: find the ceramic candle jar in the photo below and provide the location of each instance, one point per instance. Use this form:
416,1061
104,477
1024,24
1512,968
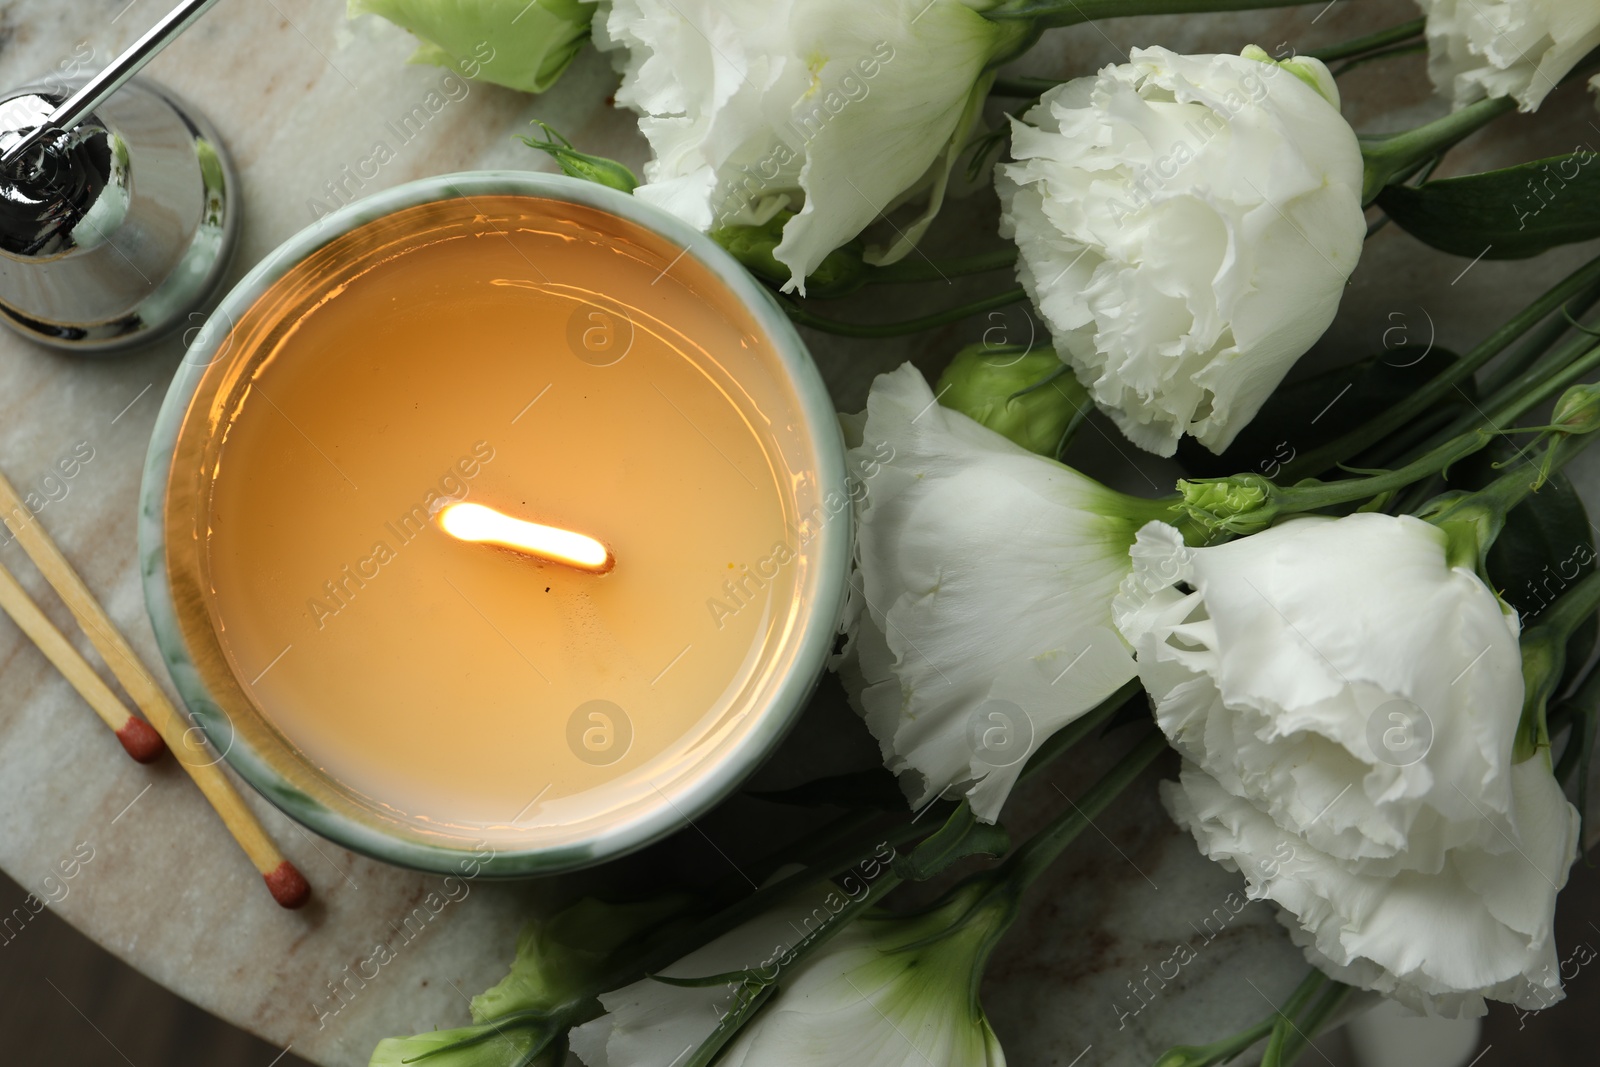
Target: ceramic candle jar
362,466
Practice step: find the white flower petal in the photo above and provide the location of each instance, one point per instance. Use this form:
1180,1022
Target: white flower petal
1271,676
884,991
1441,942
1347,704
1516,48
869,1004
1186,225
986,574
648,1016
837,107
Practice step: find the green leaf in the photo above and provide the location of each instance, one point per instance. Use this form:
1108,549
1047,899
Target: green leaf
961,836
1513,213
1546,546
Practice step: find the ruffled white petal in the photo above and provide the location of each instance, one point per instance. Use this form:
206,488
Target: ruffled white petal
1273,676
1186,225
1481,926
1516,48
985,574
835,108
1347,703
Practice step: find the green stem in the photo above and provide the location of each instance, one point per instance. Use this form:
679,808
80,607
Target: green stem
925,270
1571,608
1246,503
1524,369
1022,87
1283,1022
1394,156
1544,663
1023,866
1527,359
1048,13
802,317
1406,49
1227,1048
1380,426
1316,496
1315,1020
1393,35
747,1006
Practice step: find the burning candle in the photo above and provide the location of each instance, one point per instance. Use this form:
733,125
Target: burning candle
485,525
498,518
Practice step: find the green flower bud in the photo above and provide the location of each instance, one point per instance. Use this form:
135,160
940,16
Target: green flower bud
493,1044
1544,660
575,164
1184,1056
520,46
1311,71
1031,398
1241,504
844,270
558,957
1578,410
559,961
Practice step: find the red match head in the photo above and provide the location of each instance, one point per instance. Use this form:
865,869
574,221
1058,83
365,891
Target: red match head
141,740
288,886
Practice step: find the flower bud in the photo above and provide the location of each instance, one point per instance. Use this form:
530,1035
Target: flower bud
520,46
1578,410
1240,504
575,164
1031,398
841,271
1185,1056
1311,71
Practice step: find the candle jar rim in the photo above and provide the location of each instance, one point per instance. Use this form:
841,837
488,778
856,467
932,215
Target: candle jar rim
824,591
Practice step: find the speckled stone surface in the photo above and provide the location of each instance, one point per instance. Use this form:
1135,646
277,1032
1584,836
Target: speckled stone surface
299,94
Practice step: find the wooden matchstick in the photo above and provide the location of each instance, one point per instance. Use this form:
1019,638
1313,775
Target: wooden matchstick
289,888
142,743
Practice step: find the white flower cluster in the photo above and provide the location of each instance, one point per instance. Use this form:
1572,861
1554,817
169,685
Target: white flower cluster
1346,702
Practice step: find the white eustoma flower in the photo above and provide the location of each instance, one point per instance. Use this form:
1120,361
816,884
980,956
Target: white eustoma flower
885,991
835,108
1186,226
1347,704
982,601
1516,48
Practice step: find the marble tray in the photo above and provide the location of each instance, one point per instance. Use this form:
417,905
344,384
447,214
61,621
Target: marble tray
302,97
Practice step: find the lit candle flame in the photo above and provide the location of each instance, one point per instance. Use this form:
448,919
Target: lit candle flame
485,525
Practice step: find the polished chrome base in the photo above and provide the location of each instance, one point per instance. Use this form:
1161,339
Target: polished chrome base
112,234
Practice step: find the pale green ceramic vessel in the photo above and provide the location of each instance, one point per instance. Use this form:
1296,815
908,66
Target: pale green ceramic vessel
317,802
